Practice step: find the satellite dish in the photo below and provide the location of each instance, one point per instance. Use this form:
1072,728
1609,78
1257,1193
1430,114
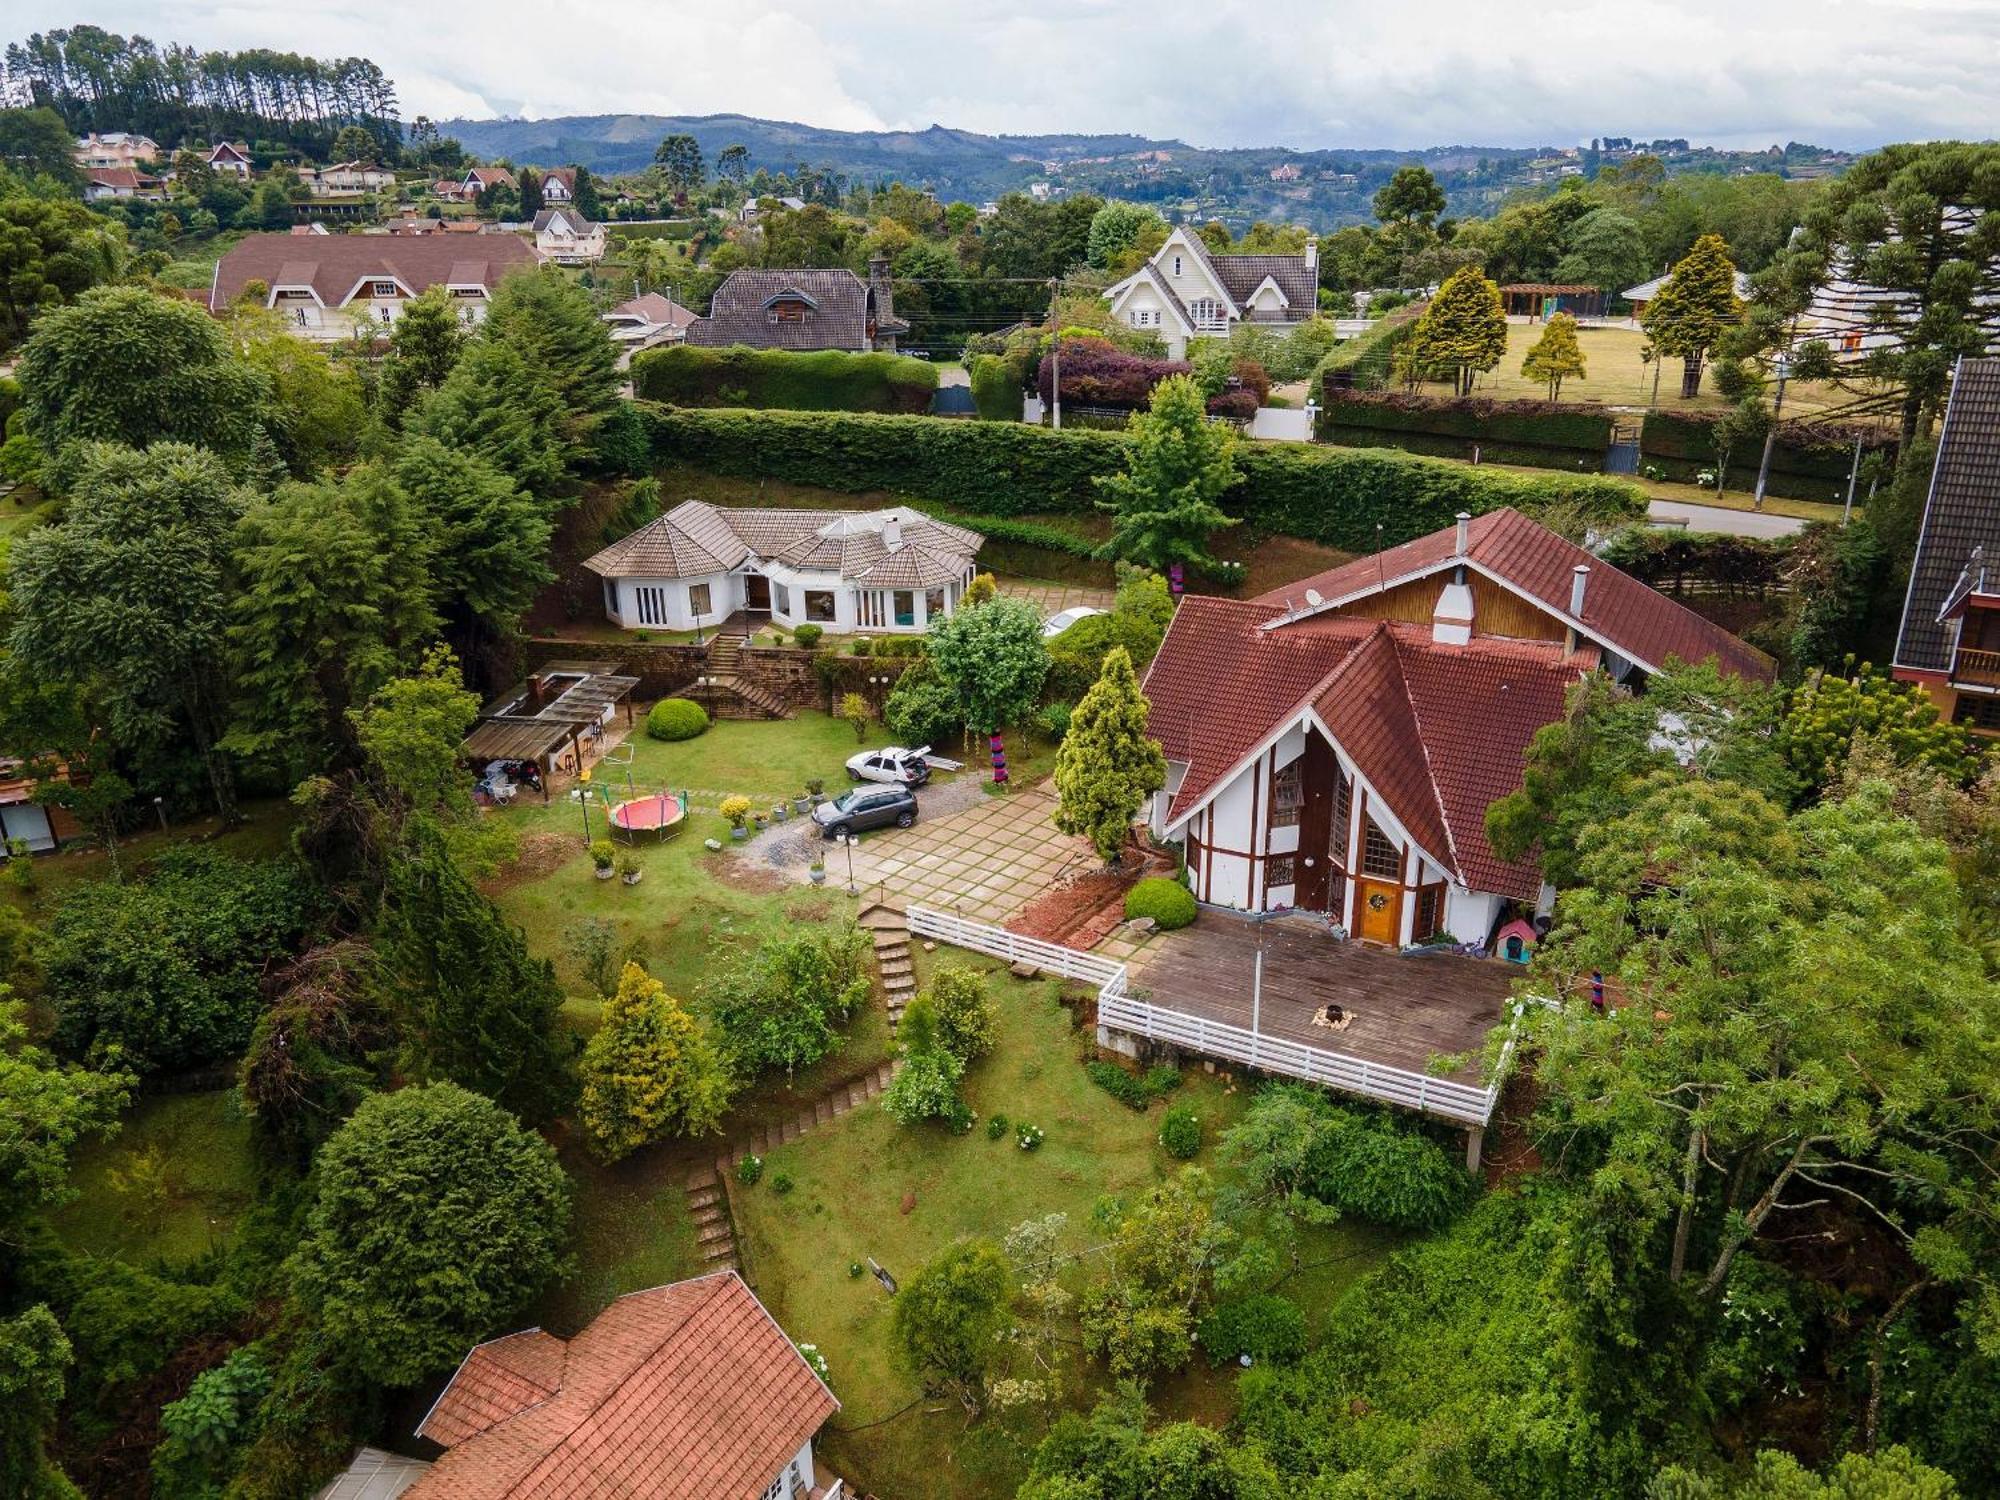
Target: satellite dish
1313,598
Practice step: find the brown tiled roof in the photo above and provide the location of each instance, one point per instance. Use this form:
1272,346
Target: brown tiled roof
738,313
1636,621
684,1391
497,1381
115,177
332,265
487,177
565,175
695,539
1437,730
1241,275
660,311
1961,515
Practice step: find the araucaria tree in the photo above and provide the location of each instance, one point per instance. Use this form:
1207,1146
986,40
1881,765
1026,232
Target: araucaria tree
1693,311
1165,506
1108,766
993,657
649,1071
1464,331
437,1218
1556,356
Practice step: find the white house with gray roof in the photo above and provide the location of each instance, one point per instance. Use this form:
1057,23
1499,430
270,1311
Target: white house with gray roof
870,572
1187,292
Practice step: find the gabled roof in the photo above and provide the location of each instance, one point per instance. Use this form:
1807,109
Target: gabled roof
684,1390
1646,291
1961,518
1243,274
655,309
115,177
332,265
564,175
1636,621
236,149
1150,275
1438,731
578,224
696,539
739,311
486,177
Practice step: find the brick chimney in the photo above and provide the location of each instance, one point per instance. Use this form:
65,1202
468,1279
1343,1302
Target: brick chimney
881,296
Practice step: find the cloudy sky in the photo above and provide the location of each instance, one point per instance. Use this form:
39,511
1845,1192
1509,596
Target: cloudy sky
1212,72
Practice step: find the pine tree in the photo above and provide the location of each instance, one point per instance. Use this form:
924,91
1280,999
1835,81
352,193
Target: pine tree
1165,505
1107,765
1463,331
423,349
1696,307
529,183
588,202
1556,356
649,1071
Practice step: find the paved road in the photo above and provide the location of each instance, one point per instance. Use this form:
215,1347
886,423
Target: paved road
1718,518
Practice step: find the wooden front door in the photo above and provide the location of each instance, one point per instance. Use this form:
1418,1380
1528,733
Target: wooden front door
757,592
1316,776
1378,910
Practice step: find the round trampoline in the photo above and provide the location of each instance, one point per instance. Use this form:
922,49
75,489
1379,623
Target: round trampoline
656,817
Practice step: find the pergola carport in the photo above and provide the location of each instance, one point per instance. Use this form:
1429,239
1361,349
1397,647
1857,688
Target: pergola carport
1534,298
539,736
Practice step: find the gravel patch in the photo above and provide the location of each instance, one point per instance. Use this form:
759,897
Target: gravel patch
794,845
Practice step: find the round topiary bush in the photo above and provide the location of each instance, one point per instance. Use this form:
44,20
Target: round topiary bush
1167,902
676,719
808,635
1180,1132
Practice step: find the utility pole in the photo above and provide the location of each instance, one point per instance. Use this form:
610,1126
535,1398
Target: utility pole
1853,477
1782,368
1055,360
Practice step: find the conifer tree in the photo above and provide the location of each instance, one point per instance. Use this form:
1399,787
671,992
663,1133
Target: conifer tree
1107,765
530,184
1463,331
649,1071
1696,307
585,195
423,348
1556,356
1165,505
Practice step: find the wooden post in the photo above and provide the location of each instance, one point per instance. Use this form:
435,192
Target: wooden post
1475,1138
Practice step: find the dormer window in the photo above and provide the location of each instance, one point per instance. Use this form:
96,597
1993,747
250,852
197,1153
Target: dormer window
789,310
382,289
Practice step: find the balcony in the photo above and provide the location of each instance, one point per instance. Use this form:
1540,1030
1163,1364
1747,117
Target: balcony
1976,668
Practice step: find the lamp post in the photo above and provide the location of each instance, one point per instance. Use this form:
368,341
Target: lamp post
160,807
582,795
848,841
1782,368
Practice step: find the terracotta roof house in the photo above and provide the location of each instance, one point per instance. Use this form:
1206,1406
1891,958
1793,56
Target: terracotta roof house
893,570
803,310
100,183
1333,746
647,321
681,1391
231,157
1949,639
478,179
321,284
566,237
1185,291
559,185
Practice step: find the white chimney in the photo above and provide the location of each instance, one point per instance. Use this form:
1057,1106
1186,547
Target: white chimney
1451,619
1312,254
892,531
1578,581
1464,543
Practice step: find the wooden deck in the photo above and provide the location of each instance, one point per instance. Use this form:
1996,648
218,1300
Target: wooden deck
1406,1009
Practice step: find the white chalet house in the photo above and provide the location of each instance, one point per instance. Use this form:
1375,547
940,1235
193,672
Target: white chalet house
1333,746
231,159
322,285
566,237
1186,292
888,571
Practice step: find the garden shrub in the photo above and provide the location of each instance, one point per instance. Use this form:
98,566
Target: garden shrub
926,1085
996,392
1134,1090
1365,363
1180,1132
1668,559
824,380
1263,1325
1167,902
1335,496
808,635
922,708
781,1007
676,719
1809,460
1096,373
1542,434
749,1170
963,1010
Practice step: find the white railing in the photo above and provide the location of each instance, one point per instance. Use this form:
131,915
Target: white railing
1463,1103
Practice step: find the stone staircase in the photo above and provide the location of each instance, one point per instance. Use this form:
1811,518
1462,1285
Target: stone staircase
728,688
709,1209
892,957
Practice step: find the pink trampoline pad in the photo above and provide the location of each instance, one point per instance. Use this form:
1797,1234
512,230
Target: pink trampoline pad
661,811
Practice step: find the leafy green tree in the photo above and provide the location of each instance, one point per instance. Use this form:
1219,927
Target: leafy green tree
1694,310
127,596
783,1006
678,158
1115,228
316,1053
494,405
406,1276
334,599
476,1007
1606,248
1893,1474
648,1071
33,1357
1166,505
1463,331
269,209
46,1111
732,163
201,1430
356,143
993,657
529,184
922,708
51,252
125,365
1411,198
423,349
37,143
963,1010
1108,765
318,407
947,1324
926,1083
1829,710
1556,355
411,729
1166,1250
586,197
1112,1454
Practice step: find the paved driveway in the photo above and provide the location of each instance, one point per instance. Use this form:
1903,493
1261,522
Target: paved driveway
1721,518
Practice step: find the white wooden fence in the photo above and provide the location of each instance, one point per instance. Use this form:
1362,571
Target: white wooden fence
1461,1103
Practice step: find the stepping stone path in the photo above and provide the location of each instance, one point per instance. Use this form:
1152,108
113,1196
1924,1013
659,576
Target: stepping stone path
892,957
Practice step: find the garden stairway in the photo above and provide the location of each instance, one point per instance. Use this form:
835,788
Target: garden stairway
726,686
892,957
714,1236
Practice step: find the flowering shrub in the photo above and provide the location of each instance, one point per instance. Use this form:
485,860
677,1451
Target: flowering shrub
749,1170
811,1355
1180,1132
735,808
1095,373
1028,1137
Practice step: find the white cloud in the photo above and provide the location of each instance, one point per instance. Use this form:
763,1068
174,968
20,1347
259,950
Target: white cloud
1213,72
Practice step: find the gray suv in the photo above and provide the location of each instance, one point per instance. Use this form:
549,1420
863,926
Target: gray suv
867,806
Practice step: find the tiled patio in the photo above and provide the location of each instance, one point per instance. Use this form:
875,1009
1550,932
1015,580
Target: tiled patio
985,862
1054,598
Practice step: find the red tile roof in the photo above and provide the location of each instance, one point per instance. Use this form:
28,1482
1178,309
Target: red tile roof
685,1390
1636,621
1437,730
335,265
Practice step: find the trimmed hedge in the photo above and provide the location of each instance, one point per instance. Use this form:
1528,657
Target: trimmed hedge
676,719
1335,496
1167,902
1541,434
1133,1090
1668,559
996,394
827,380
1363,363
1809,461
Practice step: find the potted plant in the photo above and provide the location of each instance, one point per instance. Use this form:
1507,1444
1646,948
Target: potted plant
629,869
762,820
780,811
815,793
817,870
737,809
601,856
802,804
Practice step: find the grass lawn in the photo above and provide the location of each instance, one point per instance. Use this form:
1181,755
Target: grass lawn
168,1186
866,1186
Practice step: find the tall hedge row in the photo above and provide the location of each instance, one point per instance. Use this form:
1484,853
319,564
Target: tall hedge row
1332,495
825,380
1541,434
1363,363
996,394
1808,461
